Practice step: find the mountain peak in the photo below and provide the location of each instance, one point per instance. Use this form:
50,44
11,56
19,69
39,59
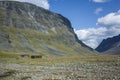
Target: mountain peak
31,13
110,45
33,29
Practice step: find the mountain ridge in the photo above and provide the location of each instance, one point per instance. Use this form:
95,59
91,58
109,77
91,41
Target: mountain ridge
27,28
110,45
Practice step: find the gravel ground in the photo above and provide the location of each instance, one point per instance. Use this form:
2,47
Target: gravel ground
61,71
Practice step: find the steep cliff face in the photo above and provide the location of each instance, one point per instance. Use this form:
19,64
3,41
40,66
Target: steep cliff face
24,15
26,28
110,45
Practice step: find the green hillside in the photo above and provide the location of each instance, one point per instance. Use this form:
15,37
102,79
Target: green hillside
28,29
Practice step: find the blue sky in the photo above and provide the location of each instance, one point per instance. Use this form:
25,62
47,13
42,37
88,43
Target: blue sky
92,20
81,13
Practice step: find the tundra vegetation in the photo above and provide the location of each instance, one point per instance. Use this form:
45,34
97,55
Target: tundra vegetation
100,67
36,44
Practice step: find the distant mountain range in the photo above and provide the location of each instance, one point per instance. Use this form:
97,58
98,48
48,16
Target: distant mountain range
110,45
26,28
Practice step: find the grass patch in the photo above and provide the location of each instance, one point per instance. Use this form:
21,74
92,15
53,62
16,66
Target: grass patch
6,55
49,61
7,73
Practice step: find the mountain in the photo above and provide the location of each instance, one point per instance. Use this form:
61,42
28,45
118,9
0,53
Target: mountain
110,45
26,28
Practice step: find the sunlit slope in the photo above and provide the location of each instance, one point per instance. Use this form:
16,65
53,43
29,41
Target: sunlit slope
26,29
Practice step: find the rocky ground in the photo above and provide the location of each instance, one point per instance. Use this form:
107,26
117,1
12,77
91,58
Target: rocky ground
61,71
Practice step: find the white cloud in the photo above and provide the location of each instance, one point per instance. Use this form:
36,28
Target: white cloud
110,26
100,1
41,3
93,36
112,19
98,10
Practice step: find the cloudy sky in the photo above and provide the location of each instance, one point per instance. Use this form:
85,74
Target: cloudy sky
92,20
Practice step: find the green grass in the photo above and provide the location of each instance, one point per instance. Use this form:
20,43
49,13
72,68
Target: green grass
36,39
15,58
7,55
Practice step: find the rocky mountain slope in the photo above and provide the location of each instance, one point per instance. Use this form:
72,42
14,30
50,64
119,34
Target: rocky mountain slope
26,28
110,45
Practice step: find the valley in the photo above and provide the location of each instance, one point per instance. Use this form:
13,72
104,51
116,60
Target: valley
37,44
100,67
